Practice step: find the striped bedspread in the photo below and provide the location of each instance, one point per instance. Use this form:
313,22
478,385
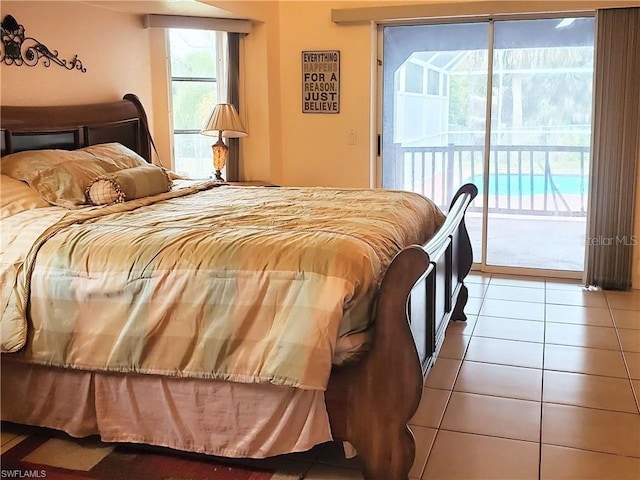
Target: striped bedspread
249,284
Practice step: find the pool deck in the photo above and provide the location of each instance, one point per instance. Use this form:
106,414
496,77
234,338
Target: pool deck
529,241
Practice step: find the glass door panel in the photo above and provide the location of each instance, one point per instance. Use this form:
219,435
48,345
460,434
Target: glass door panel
434,112
539,144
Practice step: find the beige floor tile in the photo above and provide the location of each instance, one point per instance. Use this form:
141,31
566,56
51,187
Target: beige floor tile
509,309
473,306
592,391
623,300
581,336
478,277
500,381
505,352
626,319
632,360
466,456
424,441
590,429
493,416
599,317
509,329
74,455
583,298
443,374
322,471
562,463
630,339
517,281
477,290
431,408
563,284
518,294
592,361
462,328
454,346
636,389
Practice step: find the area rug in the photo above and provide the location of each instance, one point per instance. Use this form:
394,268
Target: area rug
39,453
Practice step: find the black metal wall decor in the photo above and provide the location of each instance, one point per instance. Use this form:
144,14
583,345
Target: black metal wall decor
16,49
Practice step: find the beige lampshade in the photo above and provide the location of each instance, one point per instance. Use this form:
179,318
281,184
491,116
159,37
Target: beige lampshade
225,119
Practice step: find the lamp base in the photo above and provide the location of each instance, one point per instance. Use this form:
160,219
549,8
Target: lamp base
220,152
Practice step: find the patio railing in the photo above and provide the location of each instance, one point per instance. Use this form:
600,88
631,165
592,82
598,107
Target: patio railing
523,179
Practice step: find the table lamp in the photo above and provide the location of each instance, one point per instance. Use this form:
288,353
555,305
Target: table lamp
223,121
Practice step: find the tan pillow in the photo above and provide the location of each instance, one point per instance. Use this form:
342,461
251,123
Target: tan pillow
128,184
61,177
17,196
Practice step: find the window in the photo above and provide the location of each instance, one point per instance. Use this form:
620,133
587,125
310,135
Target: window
433,82
414,78
194,86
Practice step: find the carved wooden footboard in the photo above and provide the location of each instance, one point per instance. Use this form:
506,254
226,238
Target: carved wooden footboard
371,402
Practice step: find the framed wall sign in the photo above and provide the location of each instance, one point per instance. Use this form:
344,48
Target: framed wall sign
321,81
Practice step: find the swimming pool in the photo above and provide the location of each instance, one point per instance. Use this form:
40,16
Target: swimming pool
532,184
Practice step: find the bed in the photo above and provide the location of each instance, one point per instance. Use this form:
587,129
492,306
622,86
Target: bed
365,400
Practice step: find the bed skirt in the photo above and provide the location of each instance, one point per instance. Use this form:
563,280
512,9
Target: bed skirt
205,416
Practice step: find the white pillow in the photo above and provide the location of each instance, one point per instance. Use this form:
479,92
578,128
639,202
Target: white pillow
17,196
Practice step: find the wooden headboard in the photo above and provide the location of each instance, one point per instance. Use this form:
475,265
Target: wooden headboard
76,126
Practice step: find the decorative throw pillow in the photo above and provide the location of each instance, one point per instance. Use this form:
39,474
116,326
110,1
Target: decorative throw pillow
61,177
128,184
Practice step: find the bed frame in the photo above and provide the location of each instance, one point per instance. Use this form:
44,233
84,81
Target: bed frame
371,401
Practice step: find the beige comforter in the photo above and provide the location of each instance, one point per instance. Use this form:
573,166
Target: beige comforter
249,284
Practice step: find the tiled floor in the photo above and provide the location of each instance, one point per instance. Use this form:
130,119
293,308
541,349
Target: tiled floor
542,382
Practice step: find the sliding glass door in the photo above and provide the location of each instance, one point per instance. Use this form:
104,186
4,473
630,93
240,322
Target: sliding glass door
533,80
434,112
